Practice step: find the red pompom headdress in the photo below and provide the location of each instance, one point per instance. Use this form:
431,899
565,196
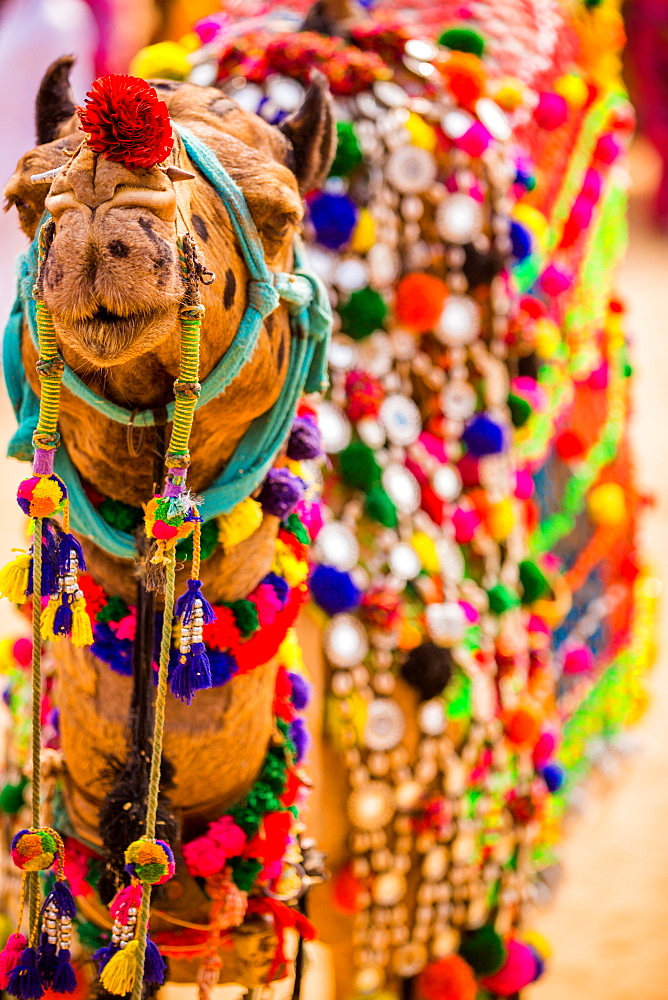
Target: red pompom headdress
127,122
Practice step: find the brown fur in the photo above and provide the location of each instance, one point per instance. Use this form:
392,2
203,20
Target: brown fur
111,280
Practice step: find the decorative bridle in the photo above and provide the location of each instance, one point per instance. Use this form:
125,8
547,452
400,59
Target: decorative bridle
50,569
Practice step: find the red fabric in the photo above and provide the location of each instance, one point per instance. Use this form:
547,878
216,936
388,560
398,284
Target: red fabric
283,916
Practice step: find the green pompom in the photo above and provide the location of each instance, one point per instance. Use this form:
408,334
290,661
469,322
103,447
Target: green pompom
121,515
358,466
520,410
501,599
245,617
534,582
364,312
296,528
184,548
11,797
244,872
463,40
628,370
380,507
484,951
114,610
348,152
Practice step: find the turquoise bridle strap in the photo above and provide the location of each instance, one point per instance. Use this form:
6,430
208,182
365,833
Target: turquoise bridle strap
309,307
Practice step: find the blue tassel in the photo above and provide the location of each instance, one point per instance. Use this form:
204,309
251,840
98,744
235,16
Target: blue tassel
192,672
50,562
46,960
103,955
62,622
69,544
61,895
155,969
186,603
64,980
25,981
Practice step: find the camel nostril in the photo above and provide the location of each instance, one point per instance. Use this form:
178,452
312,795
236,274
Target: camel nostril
117,248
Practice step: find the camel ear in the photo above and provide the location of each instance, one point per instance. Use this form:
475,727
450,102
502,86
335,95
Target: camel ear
55,101
312,134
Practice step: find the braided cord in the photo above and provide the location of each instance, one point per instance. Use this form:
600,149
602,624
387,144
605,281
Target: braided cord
186,388
50,370
154,775
33,877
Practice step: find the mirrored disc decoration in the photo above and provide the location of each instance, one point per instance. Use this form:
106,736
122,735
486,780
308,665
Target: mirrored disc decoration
456,122
351,274
404,561
459,218
411,169
285,92
458,400
402,488
401,419
337,546
334,427
493,118
447,482
371,805
446,622
460,321
384,726
345,641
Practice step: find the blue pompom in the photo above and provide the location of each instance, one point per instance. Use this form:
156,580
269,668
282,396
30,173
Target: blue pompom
281,586
334,590
222,665
300,737
553,776
540,963
483,436
334,217
301,691
520,237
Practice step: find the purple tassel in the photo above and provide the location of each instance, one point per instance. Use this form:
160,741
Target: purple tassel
186,603
155,969
281,493
304,441
280,586
301,691
25,981
50,562
46,960
69,544
300,738
64,979
62,622
103,955
192,672
61,895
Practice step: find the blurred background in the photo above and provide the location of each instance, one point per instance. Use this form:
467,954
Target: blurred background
607,920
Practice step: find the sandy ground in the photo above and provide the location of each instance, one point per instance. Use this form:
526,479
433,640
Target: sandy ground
607,924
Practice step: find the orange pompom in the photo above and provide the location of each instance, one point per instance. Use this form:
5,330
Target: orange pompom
451,978
420,300
464,75
523,726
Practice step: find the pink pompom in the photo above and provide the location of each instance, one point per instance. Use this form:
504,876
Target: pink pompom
578,661
468,470
310,514
524,484
475,140
551,112
433,445
471,614
11,957
607,149
598,379
227,836
127,627
555,281
581,212
164,531
267,603
592,185
22,650
466,523
544,749
519,970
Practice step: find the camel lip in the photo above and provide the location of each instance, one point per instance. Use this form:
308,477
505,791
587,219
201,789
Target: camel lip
106,338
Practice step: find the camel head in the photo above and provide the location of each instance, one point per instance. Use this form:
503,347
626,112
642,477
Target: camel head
111,277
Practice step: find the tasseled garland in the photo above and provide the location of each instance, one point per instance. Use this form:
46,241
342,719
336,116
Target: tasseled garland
117,961
27,969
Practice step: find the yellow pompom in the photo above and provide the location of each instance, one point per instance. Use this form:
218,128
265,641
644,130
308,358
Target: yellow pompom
547,338
290,654
239,524
500,519
607,505
538,942
364,236
410,635
425,548
118,975
82,630
534,220
165,60
573,89
14,578
508,92
422,134
287,565
190,42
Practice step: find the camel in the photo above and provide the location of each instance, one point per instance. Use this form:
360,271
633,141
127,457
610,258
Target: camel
112,283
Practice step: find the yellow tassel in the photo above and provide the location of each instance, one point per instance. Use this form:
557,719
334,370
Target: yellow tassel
239,524
48,616
82,630
14,578
118,975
